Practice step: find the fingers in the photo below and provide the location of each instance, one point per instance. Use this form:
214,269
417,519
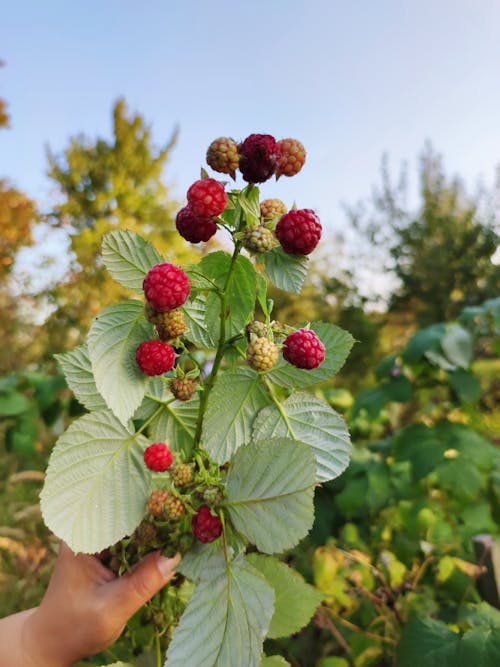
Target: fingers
131,591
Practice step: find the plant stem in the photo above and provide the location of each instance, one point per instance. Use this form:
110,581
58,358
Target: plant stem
220,348
158,648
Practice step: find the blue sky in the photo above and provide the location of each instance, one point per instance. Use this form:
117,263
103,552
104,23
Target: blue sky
349,79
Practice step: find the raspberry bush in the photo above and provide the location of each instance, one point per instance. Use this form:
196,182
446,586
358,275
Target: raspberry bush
211,443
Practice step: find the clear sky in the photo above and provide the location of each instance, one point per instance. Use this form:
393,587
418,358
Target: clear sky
349,79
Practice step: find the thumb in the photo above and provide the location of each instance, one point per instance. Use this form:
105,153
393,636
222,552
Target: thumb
132,590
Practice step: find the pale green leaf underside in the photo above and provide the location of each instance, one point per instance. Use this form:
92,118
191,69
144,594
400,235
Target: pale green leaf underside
270,487
236,398
197,329
77,370
287,272
337,344
112,342
96,486
295,600
225,621
458,346
128,258
203,561
305,418
176,424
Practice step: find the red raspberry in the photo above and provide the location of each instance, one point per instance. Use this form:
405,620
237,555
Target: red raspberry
158,457
194,228
181,474
183,388
303,349
262,354
293,156
259,155
166,287
207,197
222,155
154,357
299,231
258,239
205,526
272,208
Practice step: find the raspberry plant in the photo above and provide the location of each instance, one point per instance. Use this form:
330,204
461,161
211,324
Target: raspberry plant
249,444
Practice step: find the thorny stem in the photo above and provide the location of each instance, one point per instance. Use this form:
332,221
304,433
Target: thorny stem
220,348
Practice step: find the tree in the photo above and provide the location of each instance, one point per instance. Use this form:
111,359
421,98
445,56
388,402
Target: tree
440,254
106,185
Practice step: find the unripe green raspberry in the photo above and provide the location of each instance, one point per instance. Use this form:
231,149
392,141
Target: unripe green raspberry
262,354
258,239
222,155
170,324
183,388
156,503
181,474
272,208
174,507
256,328
213,496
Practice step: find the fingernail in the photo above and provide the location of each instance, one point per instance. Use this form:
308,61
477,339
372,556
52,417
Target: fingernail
166,566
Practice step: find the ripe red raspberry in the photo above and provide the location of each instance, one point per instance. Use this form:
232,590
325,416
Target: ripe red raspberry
299,231
205,526
222,155
183,388
303,349
262,354
156,503
154,357
293,156
158,457
181,474
207,197
174,507
259,155
272,208
166,287
194,228
259,239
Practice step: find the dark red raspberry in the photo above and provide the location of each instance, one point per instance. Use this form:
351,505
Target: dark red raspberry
183,388
155,357
303,349
158,457
293,156
299,231
259,155
222,155
207,197
194,228
166,287
206,527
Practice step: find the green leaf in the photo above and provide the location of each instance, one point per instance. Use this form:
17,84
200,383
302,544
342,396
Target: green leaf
198,331
305,418
295,600
225,621
428,641
112,342
270,487
421,446
287,272
240,292
337,344
176,424
236,398
22,436
128,258
77,370
96,486
249,202
13,403
458,345
428,339
274,661
465,385
203,561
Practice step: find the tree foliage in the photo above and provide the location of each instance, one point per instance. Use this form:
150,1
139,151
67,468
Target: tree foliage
441,253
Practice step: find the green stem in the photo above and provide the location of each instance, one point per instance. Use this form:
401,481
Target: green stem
158,649
220,348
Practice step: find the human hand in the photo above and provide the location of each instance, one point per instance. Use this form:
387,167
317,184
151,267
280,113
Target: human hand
86,606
